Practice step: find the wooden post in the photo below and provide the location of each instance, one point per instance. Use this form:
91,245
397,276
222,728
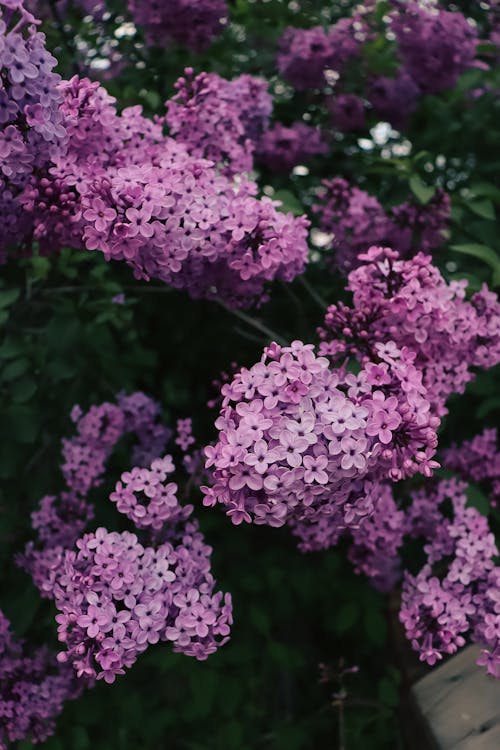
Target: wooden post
460,705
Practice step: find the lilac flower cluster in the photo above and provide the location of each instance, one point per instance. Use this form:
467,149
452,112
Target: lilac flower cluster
59,521
394,99
33,689
374,550
478,460
301,443
281,147
99,430
408,304
117,594
438,610
435,46
142,495
126,190
357,220
192,23
306,54
218,119
31,127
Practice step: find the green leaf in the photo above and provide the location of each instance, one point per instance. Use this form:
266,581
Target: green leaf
422,192
482,252
348,614
477,499
484,209
486,189
14,369
375,626
491,404
388,692
40,267
11,348
8,296
23,390
260,620
290,202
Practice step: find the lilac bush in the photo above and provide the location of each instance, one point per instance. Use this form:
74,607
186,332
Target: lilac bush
262,181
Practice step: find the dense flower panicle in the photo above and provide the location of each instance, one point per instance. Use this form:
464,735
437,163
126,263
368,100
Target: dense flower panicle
435,46
218,119
408,304
138,196
301,443
420,226
117,596
394,99
439,609
192,23
98,432
33,689
348,113
478,460
282,147
59,521
32,132
377,540
144,497
306,54
357,220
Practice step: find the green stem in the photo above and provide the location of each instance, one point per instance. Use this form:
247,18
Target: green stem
313,293
254,323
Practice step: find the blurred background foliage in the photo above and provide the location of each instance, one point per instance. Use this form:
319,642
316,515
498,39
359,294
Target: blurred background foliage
66,340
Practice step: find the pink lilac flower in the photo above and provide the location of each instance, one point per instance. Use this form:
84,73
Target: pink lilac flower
306,54
218,119
192,23
116,594
126,190
439,611
280,148
32,133
435,45
348,113
33,689
408,305
308,457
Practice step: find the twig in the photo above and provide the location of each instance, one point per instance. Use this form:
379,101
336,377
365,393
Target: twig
313,293
254,323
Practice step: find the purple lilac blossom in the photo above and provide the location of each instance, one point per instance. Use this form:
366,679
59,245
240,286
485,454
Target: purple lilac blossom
408,305
32,132
348,113
192,23
478,460
357,220
394,99
282,147
218,119
33,689
435,45
305,54
302,443
126,190
116,595
439,609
